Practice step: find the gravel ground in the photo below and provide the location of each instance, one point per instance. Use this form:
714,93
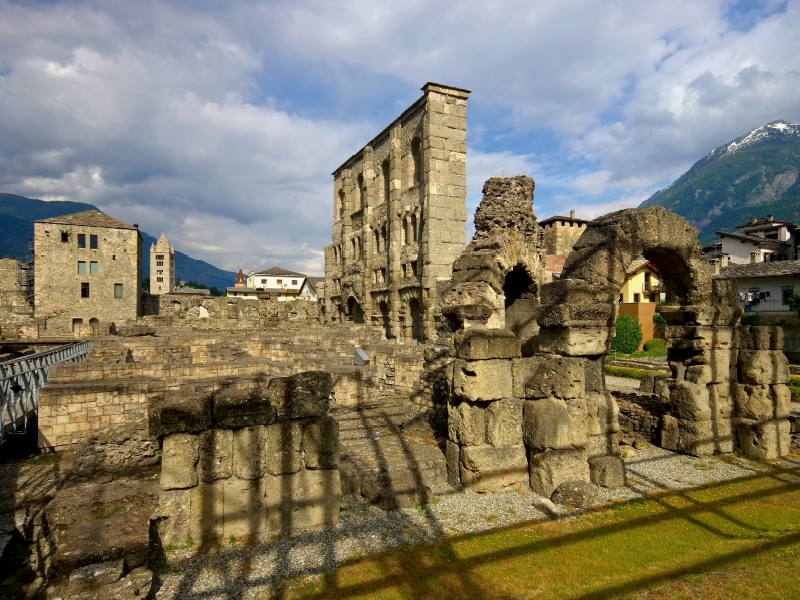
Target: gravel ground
231,571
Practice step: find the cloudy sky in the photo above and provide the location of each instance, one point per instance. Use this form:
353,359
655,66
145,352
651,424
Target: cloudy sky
220,122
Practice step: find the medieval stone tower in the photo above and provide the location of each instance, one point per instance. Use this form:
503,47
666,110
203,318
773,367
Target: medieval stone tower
162,266
399,218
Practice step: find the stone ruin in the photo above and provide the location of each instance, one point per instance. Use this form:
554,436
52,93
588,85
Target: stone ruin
528,401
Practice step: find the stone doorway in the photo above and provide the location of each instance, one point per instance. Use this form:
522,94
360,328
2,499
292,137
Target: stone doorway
521,303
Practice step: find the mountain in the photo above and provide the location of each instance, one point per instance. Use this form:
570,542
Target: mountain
18,213
755,175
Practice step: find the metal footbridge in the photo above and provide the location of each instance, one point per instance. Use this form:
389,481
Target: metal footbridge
20,380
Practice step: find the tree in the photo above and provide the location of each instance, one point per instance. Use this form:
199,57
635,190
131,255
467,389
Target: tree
794,302
629,335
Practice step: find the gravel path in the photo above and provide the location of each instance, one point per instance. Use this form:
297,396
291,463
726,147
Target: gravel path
231,571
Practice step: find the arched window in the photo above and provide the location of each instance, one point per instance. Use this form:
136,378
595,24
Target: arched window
342,204
385,175
377,239
416,161
414,233
362,197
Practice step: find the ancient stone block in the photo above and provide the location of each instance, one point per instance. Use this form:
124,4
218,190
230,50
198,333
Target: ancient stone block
321,443
753,402
207,521
395,489
763,367
453,455
766,440
782,399
602,413
576,494
302,395
244,509
179,413
243,408
574,341
482,380
474,276
95,576
606,444
546,424
702,337
478,261
302,500
466,422
249,452
758,338
178,461
607,471
595,374
669,433
172,516
504,422
689,401
702,438
216,455
543,376
482,344
282,449
720,400
551,468
488,469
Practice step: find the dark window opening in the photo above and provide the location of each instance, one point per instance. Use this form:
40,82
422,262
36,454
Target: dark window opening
786,291
92,242
84,290
81,240
64,236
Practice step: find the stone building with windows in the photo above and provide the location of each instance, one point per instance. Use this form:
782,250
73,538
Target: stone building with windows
400,218
88,269
162,266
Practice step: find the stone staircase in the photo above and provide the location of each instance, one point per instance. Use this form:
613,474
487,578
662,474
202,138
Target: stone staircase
390,468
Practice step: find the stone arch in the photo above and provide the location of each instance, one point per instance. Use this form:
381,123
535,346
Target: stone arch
94,325
383,310
354,310
415,319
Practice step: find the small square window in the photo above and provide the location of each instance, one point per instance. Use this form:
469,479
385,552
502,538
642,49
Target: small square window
81,240
93,242
94,268
81,267
786,291
117,290
280,281
84,290
294,281
636,298
64,236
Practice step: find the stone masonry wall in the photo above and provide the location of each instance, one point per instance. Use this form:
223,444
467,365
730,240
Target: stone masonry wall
248,465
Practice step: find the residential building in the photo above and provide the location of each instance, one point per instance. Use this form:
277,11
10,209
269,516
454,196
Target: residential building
757,241
162,266
87,272
642,283
277,278
764,286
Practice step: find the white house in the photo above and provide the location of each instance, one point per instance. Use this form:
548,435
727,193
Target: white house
764,286
284,284
758,241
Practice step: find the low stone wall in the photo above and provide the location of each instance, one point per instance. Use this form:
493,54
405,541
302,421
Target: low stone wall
249,464
641,415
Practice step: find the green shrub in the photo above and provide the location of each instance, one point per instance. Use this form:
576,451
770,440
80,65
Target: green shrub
628,372
629,335
751,319
655,344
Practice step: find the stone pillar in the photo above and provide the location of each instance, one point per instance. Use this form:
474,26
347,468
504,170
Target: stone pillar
394,225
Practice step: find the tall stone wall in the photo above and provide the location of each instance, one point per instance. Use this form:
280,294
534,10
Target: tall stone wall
16,313
248,465
399,219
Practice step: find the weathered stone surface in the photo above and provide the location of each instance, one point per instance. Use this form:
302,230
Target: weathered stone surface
172,517
602,413
302,395
244,509
94,576
605,444
556,424
282,452
216,455
243,408
180,454
720,400
551,468
703,315
595,374
488,469
753,402
395,489
207,520
669,433
179,412
782,398
688,401
576,494
504,422
702,438
702,337
453,456
574,341
478,261
607,471
482,380
302,500
765,440
543,376
321,443
482,344
577,314
135,330
763,367
466,422
249,452
758,338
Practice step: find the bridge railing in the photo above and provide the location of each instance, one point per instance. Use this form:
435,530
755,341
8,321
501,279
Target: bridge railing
21,378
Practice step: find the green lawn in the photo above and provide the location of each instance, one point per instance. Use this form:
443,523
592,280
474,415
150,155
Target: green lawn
737,540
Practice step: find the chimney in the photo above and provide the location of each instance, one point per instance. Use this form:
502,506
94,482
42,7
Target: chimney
714,266
755,257
136,226
770,218
572,214
754,221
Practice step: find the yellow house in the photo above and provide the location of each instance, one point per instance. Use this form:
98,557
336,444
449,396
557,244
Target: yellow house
643,283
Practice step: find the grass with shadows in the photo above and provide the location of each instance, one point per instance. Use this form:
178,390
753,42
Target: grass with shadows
737,539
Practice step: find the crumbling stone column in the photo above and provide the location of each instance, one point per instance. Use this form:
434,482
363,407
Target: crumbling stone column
484,447
248,463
